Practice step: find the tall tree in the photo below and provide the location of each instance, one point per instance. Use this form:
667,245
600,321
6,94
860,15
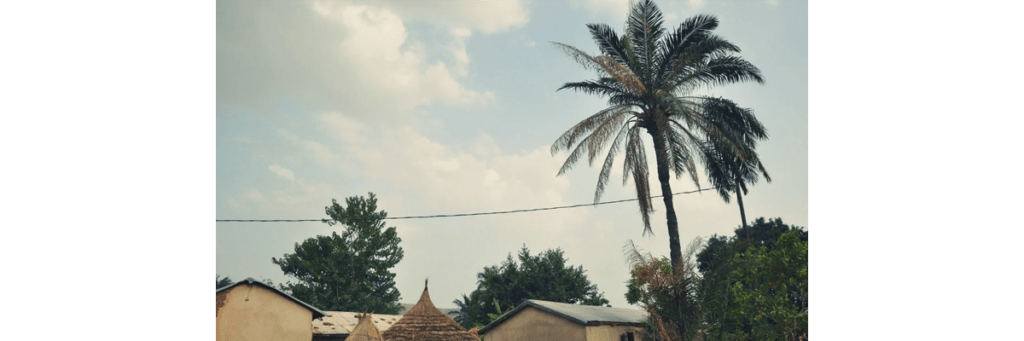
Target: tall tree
730,171
351,271
649,79
542,277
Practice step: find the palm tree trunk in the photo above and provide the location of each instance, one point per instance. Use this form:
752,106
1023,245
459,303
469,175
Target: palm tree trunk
661,153
739,200
676,253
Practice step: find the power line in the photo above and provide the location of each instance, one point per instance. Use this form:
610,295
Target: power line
450,215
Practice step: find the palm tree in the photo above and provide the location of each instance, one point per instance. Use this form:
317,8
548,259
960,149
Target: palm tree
728,171
649,82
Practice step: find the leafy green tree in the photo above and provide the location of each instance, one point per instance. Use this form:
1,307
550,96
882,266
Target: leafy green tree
542,277
469,310
760,233
770,290
729,278
351,271
649,78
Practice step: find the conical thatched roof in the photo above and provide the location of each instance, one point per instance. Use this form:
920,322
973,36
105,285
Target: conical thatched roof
425,323
365,330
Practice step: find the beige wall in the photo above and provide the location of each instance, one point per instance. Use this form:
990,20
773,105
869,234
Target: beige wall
611,333
265,316
532,324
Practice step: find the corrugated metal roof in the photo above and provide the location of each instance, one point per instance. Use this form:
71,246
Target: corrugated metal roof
342,322
316,312
582,314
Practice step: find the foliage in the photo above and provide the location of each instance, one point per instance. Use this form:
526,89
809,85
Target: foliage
770,290
730,268
469,310
223,282
498,312
648,75
351,271
750,286
727,170
542,277
669,296
760,233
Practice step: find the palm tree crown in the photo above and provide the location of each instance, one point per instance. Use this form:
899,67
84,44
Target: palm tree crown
649,78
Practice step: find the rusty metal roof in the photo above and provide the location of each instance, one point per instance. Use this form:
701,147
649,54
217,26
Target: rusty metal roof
342,322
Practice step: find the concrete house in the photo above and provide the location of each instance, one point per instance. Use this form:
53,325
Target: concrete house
252,311
543,320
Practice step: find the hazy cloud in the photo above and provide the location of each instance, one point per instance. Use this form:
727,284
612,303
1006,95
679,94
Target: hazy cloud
282,172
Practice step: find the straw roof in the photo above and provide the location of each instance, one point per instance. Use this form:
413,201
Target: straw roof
365,330
424,322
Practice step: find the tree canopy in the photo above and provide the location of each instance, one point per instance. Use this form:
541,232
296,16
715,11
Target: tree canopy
351,271
544,276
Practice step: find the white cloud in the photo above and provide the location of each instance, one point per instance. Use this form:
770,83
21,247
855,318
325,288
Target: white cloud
255,195
282,172
618,9
350,56
485,146
484,16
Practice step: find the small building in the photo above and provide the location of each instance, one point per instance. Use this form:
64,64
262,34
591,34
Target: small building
424,322
338,325
253,311
543,320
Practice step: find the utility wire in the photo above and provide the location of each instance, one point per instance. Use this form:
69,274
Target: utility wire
450,215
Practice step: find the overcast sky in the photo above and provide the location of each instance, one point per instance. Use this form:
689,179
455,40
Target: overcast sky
444,107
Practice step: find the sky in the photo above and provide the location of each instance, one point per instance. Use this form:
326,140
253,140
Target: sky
446,107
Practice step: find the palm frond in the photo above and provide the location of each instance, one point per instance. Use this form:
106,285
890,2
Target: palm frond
680,153
692,31
582,58
600,135
645,31
606,169
596,139
592,88
690,59
721,71
635,163
608,41
569,138
623,74
634,255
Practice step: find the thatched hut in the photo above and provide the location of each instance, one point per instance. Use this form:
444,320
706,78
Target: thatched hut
424,322
365,330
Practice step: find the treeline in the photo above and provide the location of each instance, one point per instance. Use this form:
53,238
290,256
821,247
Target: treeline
751,285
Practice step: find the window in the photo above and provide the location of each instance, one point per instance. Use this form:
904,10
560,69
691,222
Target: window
628,336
